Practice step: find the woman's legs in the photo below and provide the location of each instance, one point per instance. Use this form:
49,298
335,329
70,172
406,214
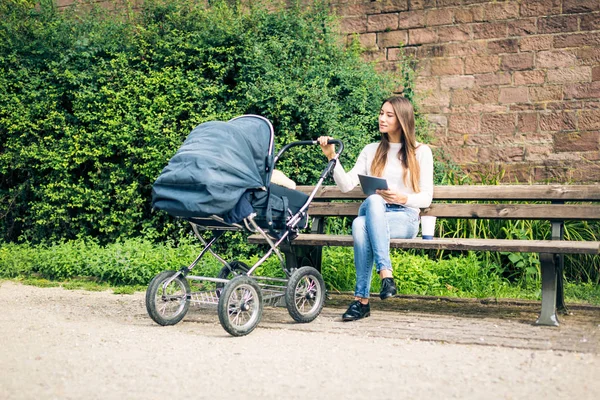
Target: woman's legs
371,230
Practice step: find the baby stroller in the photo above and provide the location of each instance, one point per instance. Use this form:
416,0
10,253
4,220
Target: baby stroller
220,180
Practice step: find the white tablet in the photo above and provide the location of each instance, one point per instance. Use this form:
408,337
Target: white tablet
370,184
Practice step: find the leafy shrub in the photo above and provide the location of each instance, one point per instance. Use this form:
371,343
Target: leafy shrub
92,108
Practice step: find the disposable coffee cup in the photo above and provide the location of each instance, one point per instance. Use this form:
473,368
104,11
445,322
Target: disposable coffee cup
427,227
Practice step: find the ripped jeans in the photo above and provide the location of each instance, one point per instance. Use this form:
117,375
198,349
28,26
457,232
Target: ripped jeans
376,224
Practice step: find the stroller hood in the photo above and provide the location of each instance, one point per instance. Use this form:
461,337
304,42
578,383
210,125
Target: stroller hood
216,164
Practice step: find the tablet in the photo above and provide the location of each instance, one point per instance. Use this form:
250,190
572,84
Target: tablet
370,184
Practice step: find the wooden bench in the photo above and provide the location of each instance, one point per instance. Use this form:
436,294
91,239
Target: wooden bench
554,203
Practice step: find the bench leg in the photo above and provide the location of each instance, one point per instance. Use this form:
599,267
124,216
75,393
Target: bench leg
558,233
548,313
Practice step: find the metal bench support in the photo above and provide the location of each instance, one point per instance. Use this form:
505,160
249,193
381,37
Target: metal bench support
549,278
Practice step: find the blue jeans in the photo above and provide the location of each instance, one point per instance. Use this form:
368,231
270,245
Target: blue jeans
376,224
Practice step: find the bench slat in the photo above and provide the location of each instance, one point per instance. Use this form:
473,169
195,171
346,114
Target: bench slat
483,192
492,211
524,246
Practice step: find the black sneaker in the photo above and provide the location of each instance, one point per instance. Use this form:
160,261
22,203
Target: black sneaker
357,310
388,288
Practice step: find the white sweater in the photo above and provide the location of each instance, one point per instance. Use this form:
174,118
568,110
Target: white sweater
392,173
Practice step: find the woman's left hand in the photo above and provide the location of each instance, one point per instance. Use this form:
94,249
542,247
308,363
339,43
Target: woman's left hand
392,197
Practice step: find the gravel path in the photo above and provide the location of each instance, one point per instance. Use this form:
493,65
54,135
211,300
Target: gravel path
61,344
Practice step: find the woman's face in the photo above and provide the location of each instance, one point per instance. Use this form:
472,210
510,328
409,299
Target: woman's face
388,122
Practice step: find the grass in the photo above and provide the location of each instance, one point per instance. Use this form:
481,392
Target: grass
129,265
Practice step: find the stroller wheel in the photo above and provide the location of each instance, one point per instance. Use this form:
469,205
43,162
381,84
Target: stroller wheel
240,306
167,305
305,294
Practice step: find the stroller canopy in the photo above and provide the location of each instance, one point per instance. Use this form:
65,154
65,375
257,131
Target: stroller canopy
216,164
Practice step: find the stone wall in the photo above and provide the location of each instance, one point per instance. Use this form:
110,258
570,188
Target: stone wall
508,85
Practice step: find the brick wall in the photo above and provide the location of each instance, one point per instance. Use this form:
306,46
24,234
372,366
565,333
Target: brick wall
511,85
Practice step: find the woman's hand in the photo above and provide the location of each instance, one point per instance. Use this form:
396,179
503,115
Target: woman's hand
392,197
328,149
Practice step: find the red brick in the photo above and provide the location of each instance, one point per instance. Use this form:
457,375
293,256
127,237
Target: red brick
529,77
527,122
514,95
366,40
447,3
520,107
466,48
558,121
534,8
501,78
589,120
565,105
596,73
411,19
590,22
522,27
431,51
420,4
498,123
454,33
483,64
465,15
490,30
583,91
464,155
382,22
517,62
536,43
475,96
421,36
426,83
439,17
392,39
580,6
545,93
377,56
490,108
577,40
499,11
353,25
463,124
556,59
503,46
570,75
437,99
577,141
456,82
538,152
589,55
477,139
507,154
393,5
447,66
440,121
563,23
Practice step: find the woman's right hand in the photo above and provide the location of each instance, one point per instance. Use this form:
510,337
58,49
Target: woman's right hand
328,149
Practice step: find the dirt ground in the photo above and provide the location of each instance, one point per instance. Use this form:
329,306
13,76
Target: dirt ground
61,344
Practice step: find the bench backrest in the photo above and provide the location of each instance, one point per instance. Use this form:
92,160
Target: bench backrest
556,202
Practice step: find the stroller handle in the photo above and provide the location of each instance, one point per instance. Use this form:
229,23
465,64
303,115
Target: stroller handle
310,143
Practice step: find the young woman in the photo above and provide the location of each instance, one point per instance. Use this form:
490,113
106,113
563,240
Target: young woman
394,213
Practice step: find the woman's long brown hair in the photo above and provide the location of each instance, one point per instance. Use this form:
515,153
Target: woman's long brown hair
406,116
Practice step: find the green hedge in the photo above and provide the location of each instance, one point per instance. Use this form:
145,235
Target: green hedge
93,105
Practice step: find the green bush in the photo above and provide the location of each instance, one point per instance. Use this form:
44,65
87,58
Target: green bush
92,108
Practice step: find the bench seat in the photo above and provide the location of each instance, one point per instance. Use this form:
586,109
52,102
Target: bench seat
518,246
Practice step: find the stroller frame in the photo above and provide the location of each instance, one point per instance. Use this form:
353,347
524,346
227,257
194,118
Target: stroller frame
239,295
